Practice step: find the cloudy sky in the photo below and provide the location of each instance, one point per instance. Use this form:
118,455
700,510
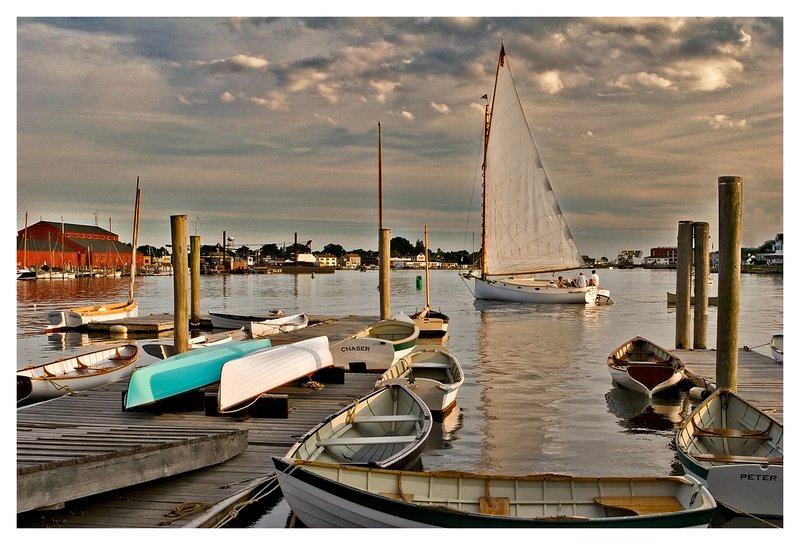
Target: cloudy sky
266,127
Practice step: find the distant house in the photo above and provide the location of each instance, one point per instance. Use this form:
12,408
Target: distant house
71,246
326,260
663,257
350,261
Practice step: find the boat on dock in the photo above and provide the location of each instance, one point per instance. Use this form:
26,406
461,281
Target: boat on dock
431,372
432,323
185,372
736,450
378,346
643,366
165,350
37,383
387,428
266,328
523,231
247,378
776,347
326,495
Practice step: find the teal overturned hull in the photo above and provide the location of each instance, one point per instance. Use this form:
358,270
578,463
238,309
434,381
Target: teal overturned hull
185,372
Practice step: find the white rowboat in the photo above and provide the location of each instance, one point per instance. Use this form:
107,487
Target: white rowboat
642,366
377,347
431,372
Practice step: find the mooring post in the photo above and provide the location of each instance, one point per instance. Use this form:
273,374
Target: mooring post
683,285
383,281
194,269
180,282
730,266
701,270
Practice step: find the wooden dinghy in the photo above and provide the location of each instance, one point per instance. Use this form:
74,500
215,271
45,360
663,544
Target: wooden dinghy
431,372
324,495
78,317
737,451
245,379
165,350
222,320
672,300
185,372
776,346
387,428
377,347
642,366
265,328
83,372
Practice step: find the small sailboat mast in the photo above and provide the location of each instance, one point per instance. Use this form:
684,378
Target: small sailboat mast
135,241
427,274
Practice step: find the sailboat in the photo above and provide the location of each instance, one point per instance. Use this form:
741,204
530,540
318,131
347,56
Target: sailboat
523,230
432,323
78,317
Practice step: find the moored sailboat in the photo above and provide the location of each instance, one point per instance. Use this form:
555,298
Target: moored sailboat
523,230
432,323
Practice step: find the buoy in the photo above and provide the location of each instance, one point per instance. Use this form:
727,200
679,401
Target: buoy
116,328
313,275
419,282
698,393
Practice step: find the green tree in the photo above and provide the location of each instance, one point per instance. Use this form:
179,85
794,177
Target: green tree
401,247
334,249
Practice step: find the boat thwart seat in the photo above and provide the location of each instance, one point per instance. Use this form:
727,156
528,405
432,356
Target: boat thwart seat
731,433
738,458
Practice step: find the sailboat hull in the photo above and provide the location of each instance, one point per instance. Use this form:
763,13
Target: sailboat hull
530,291
76,318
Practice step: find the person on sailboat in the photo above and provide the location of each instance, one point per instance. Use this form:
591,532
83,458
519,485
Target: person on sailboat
562,282
580,280
595,279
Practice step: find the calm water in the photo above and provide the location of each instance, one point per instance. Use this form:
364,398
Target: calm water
538,396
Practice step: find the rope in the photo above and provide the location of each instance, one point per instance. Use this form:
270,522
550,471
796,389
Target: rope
313,385
186,509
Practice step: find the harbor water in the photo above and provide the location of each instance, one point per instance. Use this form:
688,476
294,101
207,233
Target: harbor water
537,397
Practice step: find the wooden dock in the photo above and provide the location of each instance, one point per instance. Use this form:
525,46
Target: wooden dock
90,432
62,443
760,378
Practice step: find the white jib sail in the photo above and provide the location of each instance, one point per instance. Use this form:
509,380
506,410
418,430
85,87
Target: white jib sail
526,231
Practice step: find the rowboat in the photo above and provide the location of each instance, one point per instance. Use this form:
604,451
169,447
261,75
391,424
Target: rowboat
77,373
164,350
325,495
246,378
221,320
776,346
431,372
386,428
377,347
432,323
736,450
78,317
185,372
672,300
265,328
645,367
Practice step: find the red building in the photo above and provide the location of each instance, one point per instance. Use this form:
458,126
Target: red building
70,246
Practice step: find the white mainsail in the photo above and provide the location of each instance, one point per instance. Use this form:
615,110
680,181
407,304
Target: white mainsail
525,231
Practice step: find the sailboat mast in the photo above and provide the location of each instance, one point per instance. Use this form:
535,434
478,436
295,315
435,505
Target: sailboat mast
135,240
380,181
427,274
487,123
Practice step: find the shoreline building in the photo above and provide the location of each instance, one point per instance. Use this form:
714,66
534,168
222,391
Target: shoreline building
70,246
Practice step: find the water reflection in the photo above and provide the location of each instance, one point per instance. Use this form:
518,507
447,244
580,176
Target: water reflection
639,414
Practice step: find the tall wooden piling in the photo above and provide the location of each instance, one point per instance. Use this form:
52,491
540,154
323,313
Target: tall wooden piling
701,270
194,269
730,265
384,267
180,282
683,286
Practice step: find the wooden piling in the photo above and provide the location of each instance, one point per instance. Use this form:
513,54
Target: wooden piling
683,285
385,264
195,279
701,275
180,282
730,265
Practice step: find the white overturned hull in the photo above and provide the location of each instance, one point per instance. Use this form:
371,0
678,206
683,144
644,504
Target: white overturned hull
532,291
245,379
